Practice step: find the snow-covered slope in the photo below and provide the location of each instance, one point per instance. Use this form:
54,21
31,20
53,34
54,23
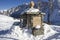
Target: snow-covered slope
5,22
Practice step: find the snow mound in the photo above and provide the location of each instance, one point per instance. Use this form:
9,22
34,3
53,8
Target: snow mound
5,22
48,31
18,33
55,27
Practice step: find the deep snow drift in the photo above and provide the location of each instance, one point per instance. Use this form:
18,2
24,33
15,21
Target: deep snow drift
8,31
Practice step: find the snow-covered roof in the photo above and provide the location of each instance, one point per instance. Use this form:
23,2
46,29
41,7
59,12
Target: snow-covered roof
31,10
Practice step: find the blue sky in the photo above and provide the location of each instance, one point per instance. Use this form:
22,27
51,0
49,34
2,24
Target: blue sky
7,4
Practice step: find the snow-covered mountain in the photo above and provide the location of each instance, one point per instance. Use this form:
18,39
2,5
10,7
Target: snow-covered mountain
4,12
16,11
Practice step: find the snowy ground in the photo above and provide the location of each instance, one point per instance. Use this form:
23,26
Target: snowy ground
10,30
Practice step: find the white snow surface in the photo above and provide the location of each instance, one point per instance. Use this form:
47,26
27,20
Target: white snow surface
38,26
32,10
5,22
17,33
